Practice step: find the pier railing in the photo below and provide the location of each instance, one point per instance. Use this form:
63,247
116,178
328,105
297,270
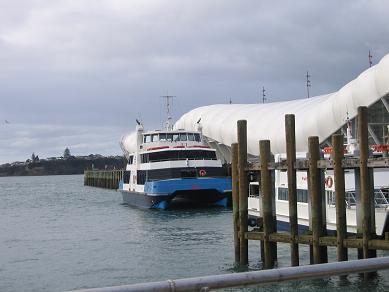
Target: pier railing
108,179
208,283
366,240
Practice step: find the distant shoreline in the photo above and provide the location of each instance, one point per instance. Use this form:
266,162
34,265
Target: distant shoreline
62,166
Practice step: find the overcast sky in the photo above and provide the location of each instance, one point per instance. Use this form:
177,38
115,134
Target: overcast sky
77,73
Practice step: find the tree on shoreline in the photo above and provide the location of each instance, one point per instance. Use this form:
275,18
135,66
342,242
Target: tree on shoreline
34,158
66,153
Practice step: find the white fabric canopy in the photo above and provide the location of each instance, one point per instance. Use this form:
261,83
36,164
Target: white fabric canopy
317,116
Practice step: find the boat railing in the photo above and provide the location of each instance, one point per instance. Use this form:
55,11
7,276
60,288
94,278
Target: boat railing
381,198
179,159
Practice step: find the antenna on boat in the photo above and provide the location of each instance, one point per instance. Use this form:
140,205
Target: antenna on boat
263,94
169,99
349,135
308,83
370,59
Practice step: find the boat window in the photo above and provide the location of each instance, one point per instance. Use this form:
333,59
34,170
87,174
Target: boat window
178,155
154,138
197,137
176,137
126,176
162,137
144,158
254,190
183,137
283,194
191,137
141,177
131,159
330,195
302,196
350,198
147,139
169,137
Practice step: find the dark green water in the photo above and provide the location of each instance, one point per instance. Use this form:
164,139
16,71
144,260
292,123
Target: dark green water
56,234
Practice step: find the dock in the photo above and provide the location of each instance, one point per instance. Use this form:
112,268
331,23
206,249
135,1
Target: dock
108,179
365,241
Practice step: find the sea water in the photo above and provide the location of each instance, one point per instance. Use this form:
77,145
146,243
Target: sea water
56,234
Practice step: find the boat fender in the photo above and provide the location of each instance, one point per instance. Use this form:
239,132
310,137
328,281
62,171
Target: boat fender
329,182
202,172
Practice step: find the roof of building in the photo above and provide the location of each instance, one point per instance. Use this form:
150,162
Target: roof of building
317,116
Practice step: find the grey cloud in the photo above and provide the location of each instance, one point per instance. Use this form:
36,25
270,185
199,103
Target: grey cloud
104,63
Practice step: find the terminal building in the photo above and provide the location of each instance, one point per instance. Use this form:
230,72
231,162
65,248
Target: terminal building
319,116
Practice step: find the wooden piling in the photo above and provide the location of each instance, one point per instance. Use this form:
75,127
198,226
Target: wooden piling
235,200
316,183
268,209
315,166
243,190
341,225
292,186
367,189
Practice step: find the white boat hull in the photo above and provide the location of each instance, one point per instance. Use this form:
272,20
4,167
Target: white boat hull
282,215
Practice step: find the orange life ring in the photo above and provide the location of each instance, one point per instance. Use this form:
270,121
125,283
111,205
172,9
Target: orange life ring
329,182
202,172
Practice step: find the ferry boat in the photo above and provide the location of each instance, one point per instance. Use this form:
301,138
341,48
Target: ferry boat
381,199
381,195
174,167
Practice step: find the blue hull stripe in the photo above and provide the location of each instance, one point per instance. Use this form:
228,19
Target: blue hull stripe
168,187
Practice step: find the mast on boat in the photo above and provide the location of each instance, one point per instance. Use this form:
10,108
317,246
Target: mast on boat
169,100
351,143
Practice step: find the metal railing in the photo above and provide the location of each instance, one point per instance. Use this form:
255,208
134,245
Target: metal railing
208,283
381,198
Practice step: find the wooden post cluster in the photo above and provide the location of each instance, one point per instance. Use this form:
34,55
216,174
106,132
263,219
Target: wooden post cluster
108,179
315,167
